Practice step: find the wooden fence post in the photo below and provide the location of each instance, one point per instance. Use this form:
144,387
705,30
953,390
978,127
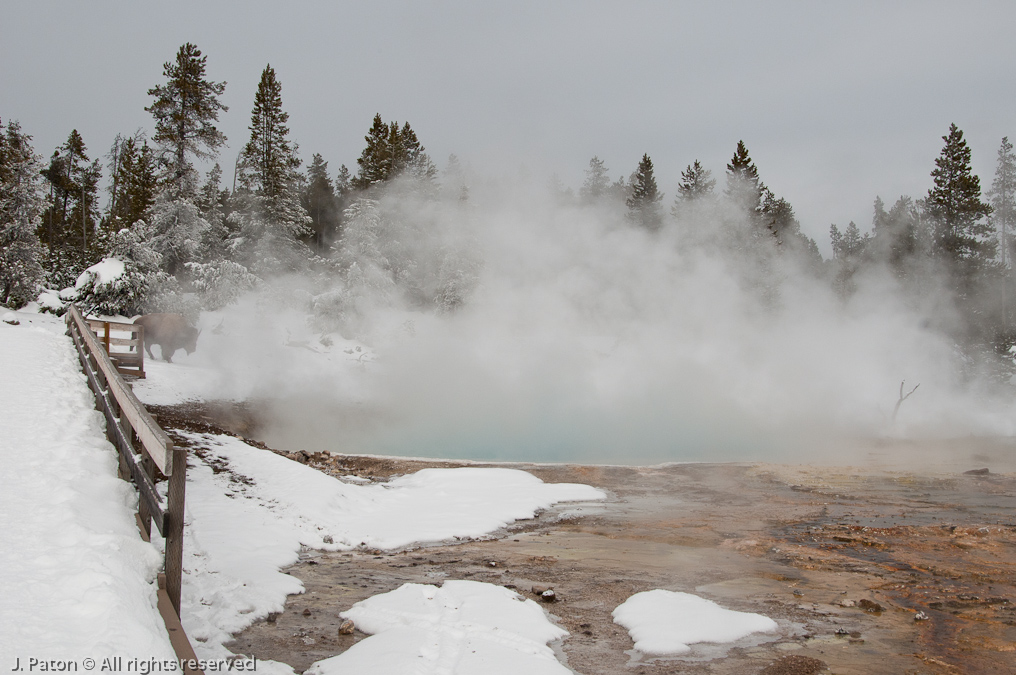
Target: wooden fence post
174,528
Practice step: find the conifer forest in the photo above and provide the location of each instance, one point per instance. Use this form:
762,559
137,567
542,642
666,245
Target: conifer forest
195,231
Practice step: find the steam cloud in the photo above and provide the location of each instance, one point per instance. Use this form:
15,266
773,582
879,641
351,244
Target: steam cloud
586,338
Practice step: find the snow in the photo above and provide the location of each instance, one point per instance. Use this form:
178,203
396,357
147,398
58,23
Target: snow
462,627
664,623
50,300
78,580
250,520
104,272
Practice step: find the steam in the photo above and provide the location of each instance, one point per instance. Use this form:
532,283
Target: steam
582,337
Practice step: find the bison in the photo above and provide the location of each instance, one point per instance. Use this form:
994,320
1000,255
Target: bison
170,332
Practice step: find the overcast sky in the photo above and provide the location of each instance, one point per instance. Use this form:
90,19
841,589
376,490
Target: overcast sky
837,102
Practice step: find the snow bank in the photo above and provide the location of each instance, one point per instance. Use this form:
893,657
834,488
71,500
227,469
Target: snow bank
77,579
666,623
464,627
102,273
249,517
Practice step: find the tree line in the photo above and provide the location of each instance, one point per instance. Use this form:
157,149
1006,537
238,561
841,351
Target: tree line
189,241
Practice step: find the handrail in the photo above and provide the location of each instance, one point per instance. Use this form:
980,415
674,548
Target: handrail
156,442
130,428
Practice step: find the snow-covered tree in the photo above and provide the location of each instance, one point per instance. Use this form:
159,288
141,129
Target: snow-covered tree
220,282
21,205
133,181
1003,200
127,279
185,109
69,223
211,203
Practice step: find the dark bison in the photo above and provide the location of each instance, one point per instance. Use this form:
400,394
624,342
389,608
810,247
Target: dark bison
170,332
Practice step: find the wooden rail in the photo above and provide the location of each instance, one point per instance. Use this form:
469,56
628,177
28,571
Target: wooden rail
142,446
110,335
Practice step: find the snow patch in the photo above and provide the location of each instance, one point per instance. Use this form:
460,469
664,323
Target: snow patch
463,627
666,623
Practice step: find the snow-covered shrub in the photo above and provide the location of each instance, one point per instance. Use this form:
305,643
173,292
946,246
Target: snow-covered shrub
124,282
220,283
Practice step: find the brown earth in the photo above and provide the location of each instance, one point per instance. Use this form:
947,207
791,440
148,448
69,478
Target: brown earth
867,570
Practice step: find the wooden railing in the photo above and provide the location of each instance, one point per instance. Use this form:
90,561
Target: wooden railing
142,446
111,336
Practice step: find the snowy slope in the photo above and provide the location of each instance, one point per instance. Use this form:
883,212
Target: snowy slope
77,579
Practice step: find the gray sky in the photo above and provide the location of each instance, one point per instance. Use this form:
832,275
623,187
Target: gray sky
837,102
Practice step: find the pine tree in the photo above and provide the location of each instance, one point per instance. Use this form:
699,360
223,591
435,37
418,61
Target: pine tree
392,151
697,182
211,205
69,223
133,181
321,204
21,205
186,109
375,161
271,218
644,199
744,188
895,235
597,183
962,233
343,185
268,161
1003,201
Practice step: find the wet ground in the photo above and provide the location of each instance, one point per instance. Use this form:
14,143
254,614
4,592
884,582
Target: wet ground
867,570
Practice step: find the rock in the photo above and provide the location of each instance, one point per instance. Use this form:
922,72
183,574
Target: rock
548,595
492,563
272,617
327,539
11,319
870,606
346,627
540,589
306,612
847,603
976,472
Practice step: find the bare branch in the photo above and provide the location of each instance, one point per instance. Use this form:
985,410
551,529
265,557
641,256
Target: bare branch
903,398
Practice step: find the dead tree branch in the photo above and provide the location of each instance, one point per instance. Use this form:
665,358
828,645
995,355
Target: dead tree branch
903,398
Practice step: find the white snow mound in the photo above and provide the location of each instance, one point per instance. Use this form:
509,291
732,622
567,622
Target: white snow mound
665,623
104,272
463,627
